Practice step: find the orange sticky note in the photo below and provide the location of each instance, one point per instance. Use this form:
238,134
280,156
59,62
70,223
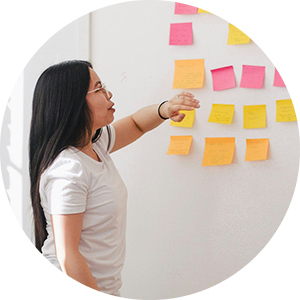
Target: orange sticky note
256,149
180,145
189,74
218,151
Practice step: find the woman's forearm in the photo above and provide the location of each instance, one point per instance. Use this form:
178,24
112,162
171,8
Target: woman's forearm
147,118
75,266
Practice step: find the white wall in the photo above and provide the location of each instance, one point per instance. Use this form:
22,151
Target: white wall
190,227
34,34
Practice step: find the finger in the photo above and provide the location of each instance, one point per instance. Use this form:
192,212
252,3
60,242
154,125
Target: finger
186,94
183,97
178,118
177,108
185,100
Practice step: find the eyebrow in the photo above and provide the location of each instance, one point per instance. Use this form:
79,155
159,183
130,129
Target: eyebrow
98,82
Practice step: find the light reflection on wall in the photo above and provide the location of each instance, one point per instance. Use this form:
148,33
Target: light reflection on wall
11,147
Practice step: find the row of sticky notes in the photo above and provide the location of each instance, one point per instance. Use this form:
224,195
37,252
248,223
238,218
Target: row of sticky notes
255,116
220,151
190,73
224,78
184,9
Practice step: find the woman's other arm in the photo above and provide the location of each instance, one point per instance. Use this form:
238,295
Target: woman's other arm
133,127
67,232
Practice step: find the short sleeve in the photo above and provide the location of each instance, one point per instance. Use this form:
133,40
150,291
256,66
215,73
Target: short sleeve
63,187
112,137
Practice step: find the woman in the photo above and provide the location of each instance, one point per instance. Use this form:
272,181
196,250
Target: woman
78,197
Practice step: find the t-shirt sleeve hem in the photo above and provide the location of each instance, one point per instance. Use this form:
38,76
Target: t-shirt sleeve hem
78,210
113,138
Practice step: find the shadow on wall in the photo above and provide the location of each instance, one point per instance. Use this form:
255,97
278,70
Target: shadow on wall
5,120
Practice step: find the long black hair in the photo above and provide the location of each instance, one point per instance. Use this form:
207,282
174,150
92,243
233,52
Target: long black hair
60,118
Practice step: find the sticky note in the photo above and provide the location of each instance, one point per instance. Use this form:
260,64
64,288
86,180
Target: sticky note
218,151
205,6
256,149
287,76
184,9
223,78
181,34
252,77
221,113
255,116
187,121
189,74
285,111
180,145
239,28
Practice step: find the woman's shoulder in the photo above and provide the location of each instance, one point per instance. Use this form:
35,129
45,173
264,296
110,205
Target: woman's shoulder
66,164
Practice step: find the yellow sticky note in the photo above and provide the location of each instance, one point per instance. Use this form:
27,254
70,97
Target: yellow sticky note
187,121
255,116
285,111
189,74
205,6
218,151
239,28
256,149
180,145
221,113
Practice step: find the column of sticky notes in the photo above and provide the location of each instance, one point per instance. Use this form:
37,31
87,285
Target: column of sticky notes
188,74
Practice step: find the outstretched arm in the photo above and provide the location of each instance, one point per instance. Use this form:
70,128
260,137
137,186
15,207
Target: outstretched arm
130,128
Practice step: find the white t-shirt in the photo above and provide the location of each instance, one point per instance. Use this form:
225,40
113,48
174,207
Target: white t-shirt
76,183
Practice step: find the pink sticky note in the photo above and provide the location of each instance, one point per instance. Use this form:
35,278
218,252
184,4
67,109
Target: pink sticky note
287,76
253,77
184,9
223,78
181,34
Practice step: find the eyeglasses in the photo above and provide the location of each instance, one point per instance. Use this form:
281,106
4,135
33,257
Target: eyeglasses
103,88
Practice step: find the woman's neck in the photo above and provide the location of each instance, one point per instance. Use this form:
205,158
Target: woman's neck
88,150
